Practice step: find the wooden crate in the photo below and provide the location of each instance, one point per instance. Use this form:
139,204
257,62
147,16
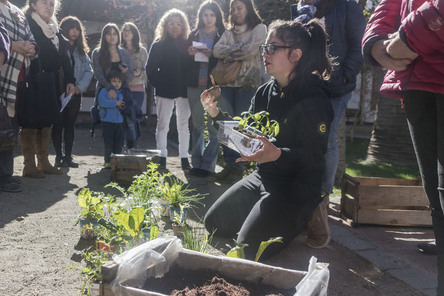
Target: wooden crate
125,167
384,201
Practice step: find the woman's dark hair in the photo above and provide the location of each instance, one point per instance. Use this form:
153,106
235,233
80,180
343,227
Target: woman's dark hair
311,39
136,36
215,8
252,19
69,22
104,55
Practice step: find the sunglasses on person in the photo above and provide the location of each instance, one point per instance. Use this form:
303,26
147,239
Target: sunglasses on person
270,49
173,24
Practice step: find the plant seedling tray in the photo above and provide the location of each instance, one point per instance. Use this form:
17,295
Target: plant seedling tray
384,201
237,141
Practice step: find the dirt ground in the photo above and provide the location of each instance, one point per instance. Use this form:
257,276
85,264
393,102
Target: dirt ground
38,239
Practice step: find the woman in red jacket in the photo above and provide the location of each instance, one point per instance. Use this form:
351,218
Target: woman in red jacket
406,37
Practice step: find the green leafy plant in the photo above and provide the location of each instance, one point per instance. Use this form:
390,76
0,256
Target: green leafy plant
179,194
132,222
259,121
92,271
197,239
91,204
238,250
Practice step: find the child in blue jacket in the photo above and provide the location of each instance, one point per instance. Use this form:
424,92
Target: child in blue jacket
111,116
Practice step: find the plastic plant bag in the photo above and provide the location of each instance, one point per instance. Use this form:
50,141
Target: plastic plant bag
151,259
315,282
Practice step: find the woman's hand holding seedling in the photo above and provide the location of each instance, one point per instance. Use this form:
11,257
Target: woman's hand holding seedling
267,153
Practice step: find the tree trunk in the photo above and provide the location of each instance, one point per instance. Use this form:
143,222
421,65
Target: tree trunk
390,141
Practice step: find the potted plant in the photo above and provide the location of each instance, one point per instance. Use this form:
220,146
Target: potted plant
241,135
179,197
92,271
91,204
179,223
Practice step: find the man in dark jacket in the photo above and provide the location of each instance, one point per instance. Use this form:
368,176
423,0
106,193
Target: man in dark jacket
345,24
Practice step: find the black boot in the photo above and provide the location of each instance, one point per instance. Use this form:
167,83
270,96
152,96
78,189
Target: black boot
162,162
185,163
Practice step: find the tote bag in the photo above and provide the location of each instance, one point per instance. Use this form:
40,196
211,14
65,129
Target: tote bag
226,72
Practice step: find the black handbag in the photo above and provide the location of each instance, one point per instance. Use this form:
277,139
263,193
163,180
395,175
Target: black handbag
37,98
8,133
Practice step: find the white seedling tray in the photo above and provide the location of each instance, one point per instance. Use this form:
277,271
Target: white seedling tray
237,141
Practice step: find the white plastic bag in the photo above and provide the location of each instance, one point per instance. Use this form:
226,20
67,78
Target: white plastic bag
151,259
315,283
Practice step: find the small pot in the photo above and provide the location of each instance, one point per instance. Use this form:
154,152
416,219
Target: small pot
174,210
146,234
164,209
85,228
94,290
105,247
178,230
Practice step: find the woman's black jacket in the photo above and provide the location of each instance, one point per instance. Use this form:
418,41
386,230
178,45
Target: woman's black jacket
166,67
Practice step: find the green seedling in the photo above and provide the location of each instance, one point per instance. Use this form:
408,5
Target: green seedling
238,250
259,121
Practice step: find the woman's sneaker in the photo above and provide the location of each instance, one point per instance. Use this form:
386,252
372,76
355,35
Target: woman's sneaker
318,230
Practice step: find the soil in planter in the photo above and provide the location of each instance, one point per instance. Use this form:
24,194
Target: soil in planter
180,282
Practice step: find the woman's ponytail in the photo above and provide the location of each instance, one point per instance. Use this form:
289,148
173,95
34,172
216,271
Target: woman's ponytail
321,63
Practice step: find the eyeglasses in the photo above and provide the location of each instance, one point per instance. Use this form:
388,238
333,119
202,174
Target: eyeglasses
270,49
173,24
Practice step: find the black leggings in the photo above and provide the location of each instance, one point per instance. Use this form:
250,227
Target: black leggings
425,115
66,127
256,212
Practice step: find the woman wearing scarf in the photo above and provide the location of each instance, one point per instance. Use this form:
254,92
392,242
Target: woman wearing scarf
52,57
22,49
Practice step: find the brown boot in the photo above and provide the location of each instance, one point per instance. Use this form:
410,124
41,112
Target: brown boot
42,147
318,229
27,141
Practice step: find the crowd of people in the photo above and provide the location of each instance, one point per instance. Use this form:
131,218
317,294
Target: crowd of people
301,71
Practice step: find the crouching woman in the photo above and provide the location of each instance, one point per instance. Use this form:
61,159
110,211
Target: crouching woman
279,197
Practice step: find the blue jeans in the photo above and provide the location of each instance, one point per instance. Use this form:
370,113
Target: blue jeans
132,131
235,100
112,138
202,157
331,158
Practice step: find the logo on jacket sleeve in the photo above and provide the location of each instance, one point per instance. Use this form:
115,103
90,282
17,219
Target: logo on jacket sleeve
322,128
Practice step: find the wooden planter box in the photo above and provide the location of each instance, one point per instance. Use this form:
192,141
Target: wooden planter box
234,268
384,201
125,166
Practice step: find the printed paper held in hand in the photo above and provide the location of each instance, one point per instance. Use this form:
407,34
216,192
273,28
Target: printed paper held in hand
200,56
65,100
